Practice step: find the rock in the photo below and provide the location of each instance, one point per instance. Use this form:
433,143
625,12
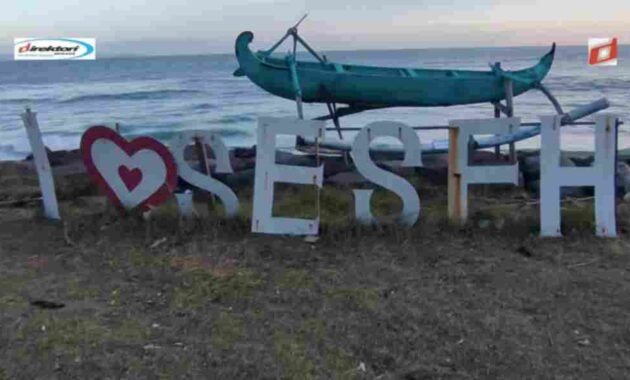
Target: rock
530,168
245,152
624,155
347,179
499,223
622,178
60,157
190,152
395,166
311,239
435,168
243,163
335,165
626,198
483,223
480,157
237,180
575,192
287,158
530,165
582,159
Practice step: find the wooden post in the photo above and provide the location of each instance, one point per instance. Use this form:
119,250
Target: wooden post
296,84
509,100
42,165
454,178
200,148
497,148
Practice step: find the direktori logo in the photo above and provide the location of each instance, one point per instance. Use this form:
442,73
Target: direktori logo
56,49
60,48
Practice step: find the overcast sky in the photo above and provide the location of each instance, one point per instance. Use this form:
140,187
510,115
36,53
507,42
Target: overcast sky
210,26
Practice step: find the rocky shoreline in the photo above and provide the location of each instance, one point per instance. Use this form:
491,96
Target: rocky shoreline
18,180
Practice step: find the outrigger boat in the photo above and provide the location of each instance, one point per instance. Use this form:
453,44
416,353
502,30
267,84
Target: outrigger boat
364,88
377,87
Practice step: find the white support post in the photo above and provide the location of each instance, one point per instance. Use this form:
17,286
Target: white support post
268,172
42,165
185,203
601,175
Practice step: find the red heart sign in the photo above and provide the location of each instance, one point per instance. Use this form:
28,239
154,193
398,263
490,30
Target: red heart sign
131,178
138,173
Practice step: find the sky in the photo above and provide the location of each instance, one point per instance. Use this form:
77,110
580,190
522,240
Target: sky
130,27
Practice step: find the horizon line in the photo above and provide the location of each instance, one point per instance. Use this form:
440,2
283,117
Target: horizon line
9,57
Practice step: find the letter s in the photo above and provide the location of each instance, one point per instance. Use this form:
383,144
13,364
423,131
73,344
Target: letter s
390,181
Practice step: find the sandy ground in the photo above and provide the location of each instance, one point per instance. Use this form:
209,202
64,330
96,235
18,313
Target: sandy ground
102,296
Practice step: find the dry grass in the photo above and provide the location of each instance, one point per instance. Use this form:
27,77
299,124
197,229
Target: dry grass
205,298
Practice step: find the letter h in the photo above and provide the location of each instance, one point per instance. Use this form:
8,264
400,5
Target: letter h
601,175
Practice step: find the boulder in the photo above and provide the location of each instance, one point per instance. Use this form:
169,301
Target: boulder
237,180
435,168
622,178
346,179
335,165
624,155
60,157
395,166
530,168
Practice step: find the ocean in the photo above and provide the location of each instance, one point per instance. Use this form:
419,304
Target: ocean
159,96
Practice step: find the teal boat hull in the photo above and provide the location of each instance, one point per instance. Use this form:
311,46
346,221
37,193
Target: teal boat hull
375,87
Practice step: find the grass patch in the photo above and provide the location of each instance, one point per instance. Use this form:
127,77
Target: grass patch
131,330
12,301
78,290
341,364
363,298
200,286
140,259
292,356
295,279
315,328
58,336
226,330
578,217
13,284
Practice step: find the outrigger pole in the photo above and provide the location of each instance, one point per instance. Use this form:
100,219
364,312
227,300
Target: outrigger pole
292,63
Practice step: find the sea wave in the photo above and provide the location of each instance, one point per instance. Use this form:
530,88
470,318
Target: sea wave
25,100
166,135
135,95
233,119
202,107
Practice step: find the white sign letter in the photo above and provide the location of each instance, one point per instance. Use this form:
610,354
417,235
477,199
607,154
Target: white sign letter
268,173
42,165
461,174
390,181
601,175
202,181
